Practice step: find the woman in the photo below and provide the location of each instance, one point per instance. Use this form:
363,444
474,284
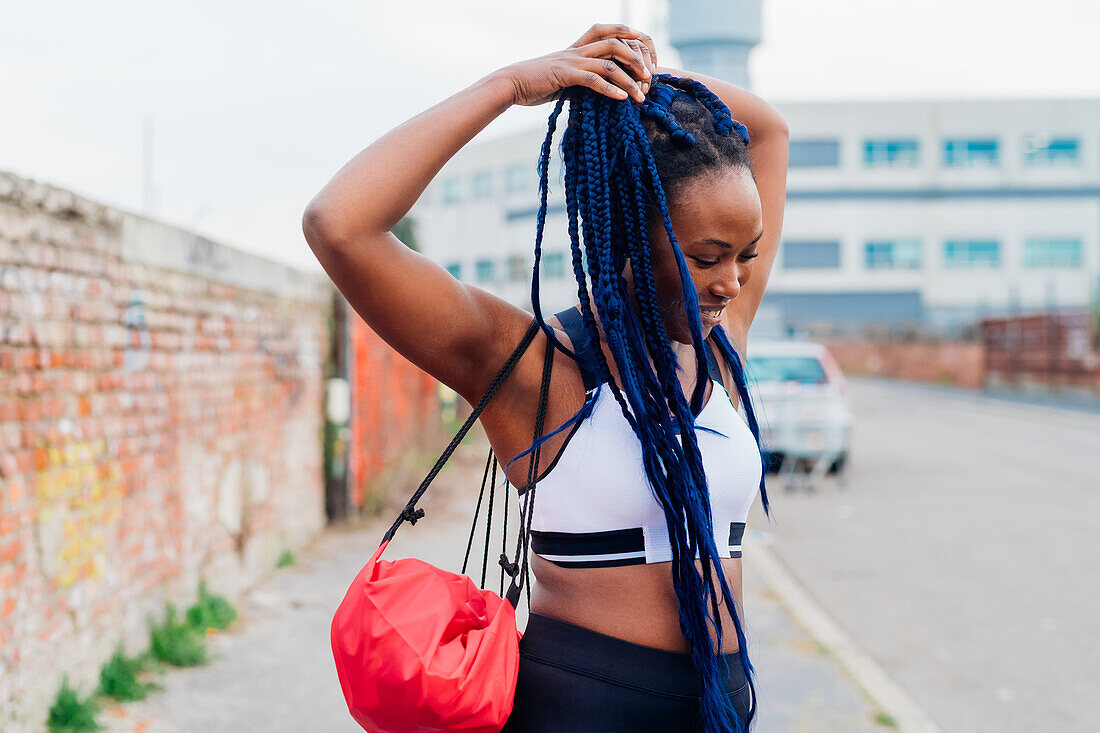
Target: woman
637,557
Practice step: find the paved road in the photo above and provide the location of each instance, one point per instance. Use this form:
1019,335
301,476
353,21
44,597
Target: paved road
963,555
273,670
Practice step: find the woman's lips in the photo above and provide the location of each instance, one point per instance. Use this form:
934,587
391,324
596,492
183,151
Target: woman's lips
707,319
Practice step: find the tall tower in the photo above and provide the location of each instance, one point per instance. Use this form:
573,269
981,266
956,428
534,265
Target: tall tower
714,37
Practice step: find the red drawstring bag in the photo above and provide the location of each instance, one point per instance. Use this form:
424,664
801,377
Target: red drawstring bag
421,649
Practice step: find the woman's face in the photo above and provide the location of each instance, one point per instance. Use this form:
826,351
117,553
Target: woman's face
718,223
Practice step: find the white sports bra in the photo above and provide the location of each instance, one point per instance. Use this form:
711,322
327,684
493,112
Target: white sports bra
594,506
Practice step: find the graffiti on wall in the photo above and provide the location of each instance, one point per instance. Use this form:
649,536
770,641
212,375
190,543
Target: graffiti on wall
139,341
78,502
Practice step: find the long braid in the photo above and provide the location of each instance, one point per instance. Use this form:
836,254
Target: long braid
587,154
695,504
738,369
610,176
659,347
544,186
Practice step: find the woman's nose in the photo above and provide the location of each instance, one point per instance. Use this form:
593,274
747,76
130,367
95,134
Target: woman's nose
726,288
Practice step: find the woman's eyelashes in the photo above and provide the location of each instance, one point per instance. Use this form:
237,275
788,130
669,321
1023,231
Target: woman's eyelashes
711,262
704,262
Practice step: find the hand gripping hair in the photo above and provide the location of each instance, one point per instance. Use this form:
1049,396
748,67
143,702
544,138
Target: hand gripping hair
623,160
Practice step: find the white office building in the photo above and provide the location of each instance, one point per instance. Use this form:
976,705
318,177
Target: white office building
923,214
929,214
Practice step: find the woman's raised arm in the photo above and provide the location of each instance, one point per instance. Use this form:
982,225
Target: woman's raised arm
768,148
458,333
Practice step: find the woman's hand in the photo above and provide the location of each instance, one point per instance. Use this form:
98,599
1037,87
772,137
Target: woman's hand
612,59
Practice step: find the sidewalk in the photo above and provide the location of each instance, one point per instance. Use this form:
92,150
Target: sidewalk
273,670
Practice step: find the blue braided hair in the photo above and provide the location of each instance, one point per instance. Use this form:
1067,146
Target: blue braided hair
623,162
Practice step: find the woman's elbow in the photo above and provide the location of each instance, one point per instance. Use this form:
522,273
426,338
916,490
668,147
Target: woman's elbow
777,125
320,225
781,125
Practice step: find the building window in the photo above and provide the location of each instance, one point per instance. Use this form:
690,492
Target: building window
482,185
903,153
811,254
1044,150
455,268
971,153
452,190
553,265
1052,253
972,253
517,178
820,153
892,254
517,268
486,271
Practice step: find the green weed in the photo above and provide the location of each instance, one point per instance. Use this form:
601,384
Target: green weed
286,559
886,720
177,642
119,678
70,713
211,612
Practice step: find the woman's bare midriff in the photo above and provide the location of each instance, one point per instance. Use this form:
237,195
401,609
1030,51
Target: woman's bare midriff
636,603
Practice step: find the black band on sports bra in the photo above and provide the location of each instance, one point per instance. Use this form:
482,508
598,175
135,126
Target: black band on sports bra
609,548
573,323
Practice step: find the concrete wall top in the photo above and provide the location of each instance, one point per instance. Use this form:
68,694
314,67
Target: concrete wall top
154,243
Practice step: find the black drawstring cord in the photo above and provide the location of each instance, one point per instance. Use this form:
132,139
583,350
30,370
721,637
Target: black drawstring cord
488,527
477,511
510,568
527,508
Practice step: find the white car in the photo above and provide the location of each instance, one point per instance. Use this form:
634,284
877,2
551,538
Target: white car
800,397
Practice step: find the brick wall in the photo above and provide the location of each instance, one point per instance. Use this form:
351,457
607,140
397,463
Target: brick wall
956,363
160,422
1043,351
396,407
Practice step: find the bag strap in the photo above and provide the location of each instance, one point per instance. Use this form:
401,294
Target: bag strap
520,577
516,570
410,513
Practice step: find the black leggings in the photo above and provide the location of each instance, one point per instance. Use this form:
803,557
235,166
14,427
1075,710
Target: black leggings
575,680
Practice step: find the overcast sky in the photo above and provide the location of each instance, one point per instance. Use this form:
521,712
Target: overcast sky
254,105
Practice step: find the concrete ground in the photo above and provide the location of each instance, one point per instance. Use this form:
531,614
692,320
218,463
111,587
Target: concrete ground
273,670
962,555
